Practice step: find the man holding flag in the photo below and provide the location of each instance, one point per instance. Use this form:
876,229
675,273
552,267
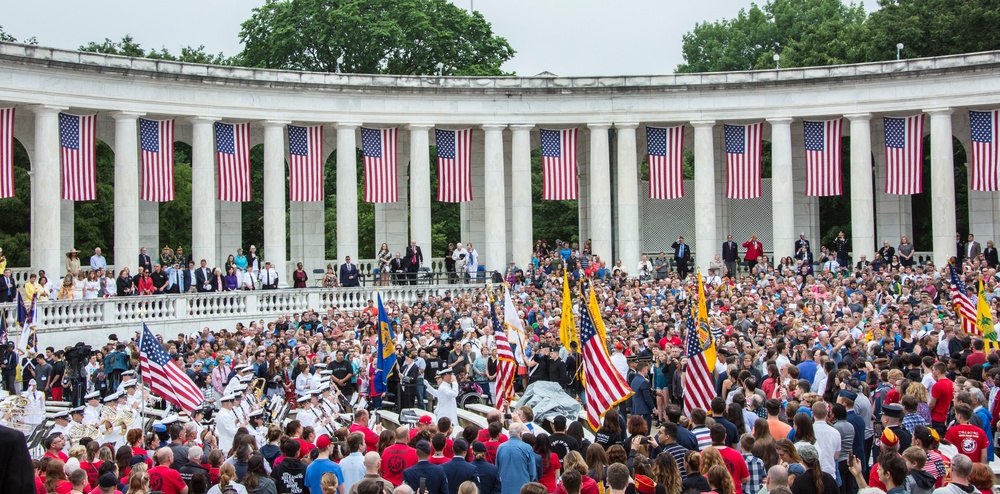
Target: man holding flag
605,386
386,353
700,357
503,389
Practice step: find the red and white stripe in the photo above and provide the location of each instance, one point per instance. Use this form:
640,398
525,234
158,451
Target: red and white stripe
380,173
904,165
823,168
559,175
666,173
605,385
170,383
699,386
985,165
79,166
306,171
158,167
6,152
506,370
743,169
454,174
965,306
234,169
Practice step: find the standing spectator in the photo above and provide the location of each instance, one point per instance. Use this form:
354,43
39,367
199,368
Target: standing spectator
163,478
300,277
8,287
349,273
801,246
413,258
268,277
290,474
662,266
905,252
73,262
682,255
321,465
840,247
425,477
515,461
969,439
97,261
755,250
730,256
472,262
942,394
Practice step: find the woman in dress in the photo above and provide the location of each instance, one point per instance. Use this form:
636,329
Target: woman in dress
66,288
905,252
990,255
145,284
253,262
124,284
91,286
300,277
73,262
330,278
232,282
230,262
384,258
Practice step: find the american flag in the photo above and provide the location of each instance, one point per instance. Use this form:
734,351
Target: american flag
699,386
454,151
559,165
506,364
79,169
964,305
904,155
823,158
156,138
379,149
743,148
6,152
232,145
305,148
165,378
605,385
666,162
985,150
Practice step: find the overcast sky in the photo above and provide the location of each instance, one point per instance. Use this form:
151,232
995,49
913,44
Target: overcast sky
565,37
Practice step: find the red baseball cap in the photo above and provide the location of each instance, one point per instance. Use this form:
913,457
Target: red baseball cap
426,420
323,441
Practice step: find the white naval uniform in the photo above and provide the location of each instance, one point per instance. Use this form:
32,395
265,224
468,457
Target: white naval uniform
235,381
315,381
225,428
92,415
35,411
307,417
446,395
260,435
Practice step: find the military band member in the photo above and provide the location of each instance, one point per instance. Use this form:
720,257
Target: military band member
127,376
35,411
92,412
318,378
257,428
112,434
62,427
226,423
306,416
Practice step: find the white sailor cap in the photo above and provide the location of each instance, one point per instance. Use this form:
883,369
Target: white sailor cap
77,410
129,384
61,415
326,373
324,387
92,396
169,419
229,397
244,367
238,390
128,373
111,397
246,379
444,371
304,398
256,413
320,366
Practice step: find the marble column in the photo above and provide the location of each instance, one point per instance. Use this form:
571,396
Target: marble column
347,191
629,236
495,251
127,189
782,193
522,241
943,221
420,189
705,242
46,251
275,235
862,201
203,191
600,197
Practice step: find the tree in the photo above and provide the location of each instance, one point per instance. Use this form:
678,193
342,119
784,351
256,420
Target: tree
931,28
373,37
10,39
128,47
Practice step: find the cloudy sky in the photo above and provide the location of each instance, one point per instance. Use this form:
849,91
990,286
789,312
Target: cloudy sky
566,37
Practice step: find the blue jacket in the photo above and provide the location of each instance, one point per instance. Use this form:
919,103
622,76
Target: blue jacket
987,419
437,481
516,465
459,470
489,477
643,402
687,439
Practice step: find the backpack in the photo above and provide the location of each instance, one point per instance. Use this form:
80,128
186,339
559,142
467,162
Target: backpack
100,381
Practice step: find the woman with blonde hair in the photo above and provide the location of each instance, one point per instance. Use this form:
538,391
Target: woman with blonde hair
574,461
328,483
710,457
138,480
227,481
469,487
923,397
720,480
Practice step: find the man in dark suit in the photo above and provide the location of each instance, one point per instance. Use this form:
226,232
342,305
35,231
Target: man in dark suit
489,477
863,263
643,402
411,377
459,470
188,281
730,256
801,245
203,276
959,248
413,259
144,261
396,267
348,273
972,248
8,287
434,479
16,472
682,255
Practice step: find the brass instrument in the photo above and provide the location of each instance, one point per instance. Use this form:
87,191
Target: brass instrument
125,419
77,432
108,415
258,386
17,401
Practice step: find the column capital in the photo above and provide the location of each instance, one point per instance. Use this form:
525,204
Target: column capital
780,121
626,125
274,123
522,127
701,124
203,120
419,126
493,127
859,117
46,109
127,115
938,112
346,126
599,126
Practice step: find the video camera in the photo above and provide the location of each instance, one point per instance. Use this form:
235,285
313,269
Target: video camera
76,360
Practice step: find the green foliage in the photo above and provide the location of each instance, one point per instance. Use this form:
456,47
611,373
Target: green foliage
373,37
366,211
551,219
445,216
15,238
175,216
128,47
930,28
10,39
94,221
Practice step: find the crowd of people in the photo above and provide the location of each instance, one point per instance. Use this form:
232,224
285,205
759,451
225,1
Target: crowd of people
832,378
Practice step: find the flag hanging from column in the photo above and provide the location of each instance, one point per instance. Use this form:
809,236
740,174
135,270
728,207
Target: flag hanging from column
79,170
305,163
379,149
156,139
6,152
454,153
559,173
904,155
985,150
743,150
232,146
823,157
666,162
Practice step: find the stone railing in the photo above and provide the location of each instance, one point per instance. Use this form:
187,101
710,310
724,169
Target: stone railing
65,322
367,269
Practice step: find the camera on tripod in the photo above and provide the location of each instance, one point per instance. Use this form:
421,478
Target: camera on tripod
76,360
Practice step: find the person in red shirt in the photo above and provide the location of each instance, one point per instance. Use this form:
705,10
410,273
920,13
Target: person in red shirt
491,418
970,440
398,457
163,478
493,442
54,444
942,393
755,250
978,356
895,394
360,424
422,423
735,463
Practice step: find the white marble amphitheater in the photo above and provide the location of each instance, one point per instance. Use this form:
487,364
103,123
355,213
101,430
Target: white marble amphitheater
507,113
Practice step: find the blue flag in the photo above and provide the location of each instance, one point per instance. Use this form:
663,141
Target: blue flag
386,347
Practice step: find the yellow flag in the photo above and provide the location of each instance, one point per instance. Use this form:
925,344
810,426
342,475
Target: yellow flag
704,329
595,309
567,327
984,320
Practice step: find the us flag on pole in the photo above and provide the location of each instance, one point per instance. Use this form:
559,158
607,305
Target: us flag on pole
559,175
666,162
156,139
743,148
985,151
305,148
379,149
904,154
823,157
165,378
506,363
605,385
454,152
699,385
6,152
232,146
79,170
962,302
